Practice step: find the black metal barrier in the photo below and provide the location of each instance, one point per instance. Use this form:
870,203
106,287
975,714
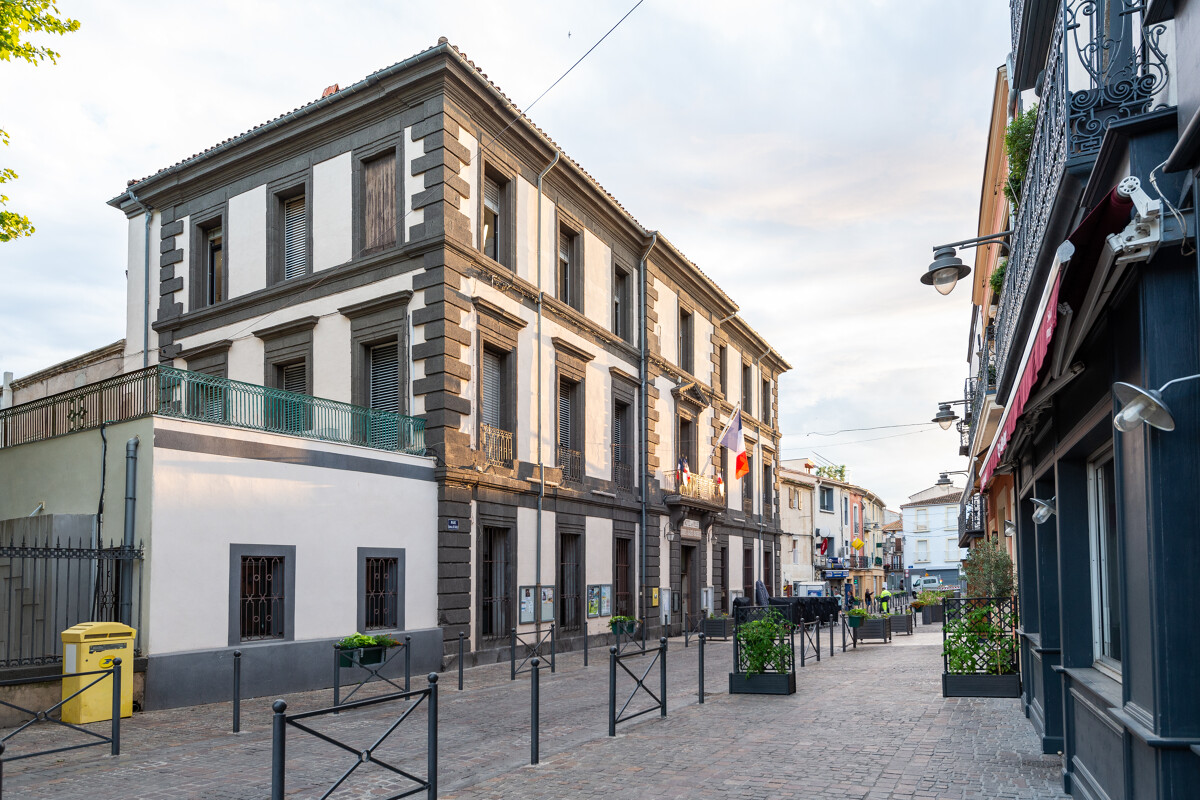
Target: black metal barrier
282,720
615,660
637,638
353,659
533,647
114,737
693,625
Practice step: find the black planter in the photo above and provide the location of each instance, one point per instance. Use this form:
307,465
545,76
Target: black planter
762,683
366,655
932,614
875,629
981,685
901,623
623,628
717,627
854,621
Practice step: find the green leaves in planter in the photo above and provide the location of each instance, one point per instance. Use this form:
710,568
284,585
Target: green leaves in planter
621,623
355,641
858,612
764,644
1018,140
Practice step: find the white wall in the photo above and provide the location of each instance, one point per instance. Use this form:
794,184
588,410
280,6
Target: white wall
597,280
246,242
941,523
667,308
135,291
331,358
332,223
203,503
598,543
527,235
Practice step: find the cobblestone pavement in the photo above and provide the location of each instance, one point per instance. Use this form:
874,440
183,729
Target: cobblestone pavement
869,723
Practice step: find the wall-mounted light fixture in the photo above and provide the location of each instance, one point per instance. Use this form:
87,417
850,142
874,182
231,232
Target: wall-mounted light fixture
1144,405
948,269
1043,509
944,477
1010,527
945,416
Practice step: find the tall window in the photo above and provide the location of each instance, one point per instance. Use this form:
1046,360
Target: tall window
923,550
748,572
687,443
747,388
570,432
494,218
857,523
748,487
383,377
623,576
379,202
722,377
1105,566
570,581
768,495
622,307
214,266
291,414
766,401
381,593
769,570
721,575
568,267
295,239
622,463
845,510
922,515
495,591
262,598
827,498
686,346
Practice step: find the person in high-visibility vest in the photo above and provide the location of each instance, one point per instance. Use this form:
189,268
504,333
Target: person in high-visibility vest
884,597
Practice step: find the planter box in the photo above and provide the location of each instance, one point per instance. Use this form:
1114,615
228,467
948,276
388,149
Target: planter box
365,655
981,685
622,628
933,614
717,627
901,623
853,621
875,629
762,683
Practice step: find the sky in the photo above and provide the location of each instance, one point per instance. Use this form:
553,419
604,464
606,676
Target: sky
807,156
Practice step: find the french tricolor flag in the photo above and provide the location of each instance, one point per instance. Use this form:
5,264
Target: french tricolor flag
735,441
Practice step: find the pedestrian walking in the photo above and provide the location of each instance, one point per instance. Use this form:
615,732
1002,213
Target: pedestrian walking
884,597
867,597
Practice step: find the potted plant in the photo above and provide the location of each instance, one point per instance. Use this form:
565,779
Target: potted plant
855,617
362,649
979,648
931,606
717,627
875,627
621,625
764,658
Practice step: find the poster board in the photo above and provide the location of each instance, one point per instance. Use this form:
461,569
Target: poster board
606,600
528,609
593,600
547,604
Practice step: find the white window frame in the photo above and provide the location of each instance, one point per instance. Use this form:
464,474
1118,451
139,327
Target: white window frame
921,519
922,544
1096,463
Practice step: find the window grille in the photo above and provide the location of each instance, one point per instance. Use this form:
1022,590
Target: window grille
384,370
382,595
494,591
748,572
294,240
570,582
262,600
623,588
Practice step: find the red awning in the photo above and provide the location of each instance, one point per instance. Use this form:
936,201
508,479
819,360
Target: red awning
1108,216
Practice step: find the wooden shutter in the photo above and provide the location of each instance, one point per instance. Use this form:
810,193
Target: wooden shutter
295,378
619,451
384,380
564,415
491,196
492,387
379,202
294,240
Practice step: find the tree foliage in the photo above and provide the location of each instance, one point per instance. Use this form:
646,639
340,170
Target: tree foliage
837,473
18,19
989,570
1018,141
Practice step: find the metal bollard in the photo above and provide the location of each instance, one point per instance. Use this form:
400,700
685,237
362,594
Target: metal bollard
512,656
585,645
702,669
460,660
803,636
535,662
407,661
1,767
662,675
612,690
818,627
237,691
831,624
431,749
553,645
116,707
278,748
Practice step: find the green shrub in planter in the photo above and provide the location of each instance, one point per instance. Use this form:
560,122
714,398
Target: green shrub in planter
856,616
622,625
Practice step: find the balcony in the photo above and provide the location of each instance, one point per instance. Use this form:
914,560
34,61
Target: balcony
978,390
858,562
571,464
697,487
496,445
893,563
170,392
972,516
1100,69
622,469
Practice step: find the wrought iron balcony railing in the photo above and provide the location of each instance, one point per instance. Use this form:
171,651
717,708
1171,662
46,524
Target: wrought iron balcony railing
496,445
696,487
1102,66
893,563
622,469
171,392
972,514
571,463
981,386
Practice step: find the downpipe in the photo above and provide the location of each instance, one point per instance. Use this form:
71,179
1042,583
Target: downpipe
643,438
126,564
541,463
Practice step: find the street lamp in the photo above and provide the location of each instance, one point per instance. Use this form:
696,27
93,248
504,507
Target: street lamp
944,416
948,269
944,478
1042,509
1144,405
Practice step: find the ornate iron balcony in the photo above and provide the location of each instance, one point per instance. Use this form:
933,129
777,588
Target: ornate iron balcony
496,445
972,514
171,392
571,464
622,469
697,487
1119,71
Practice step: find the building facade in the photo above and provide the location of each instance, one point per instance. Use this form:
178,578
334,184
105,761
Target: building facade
796,513
930,530
404,253
1099,295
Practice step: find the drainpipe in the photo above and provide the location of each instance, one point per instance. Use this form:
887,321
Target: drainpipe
131,459
145,283
541,464
103,480
761,466
644,440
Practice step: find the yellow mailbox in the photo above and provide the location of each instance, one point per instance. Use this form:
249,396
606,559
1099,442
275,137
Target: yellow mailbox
91,646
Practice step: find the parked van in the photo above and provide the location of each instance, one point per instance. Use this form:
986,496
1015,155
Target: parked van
923,582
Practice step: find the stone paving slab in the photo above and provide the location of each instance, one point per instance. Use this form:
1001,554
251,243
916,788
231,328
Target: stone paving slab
869,723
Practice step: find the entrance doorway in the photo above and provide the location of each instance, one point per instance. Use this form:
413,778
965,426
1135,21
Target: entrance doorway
687,582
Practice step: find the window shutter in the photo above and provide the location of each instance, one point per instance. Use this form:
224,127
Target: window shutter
492,384
564,248
295,379
617,430
293,238
564,416
384,369
491,195
379,214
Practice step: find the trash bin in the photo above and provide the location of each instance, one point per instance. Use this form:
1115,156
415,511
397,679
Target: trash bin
91,646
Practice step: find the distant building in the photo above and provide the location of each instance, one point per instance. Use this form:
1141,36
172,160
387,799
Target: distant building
930,529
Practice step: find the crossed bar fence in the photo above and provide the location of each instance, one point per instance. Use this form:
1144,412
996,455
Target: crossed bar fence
44,717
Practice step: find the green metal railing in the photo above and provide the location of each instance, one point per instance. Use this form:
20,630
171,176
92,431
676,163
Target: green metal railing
171,392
